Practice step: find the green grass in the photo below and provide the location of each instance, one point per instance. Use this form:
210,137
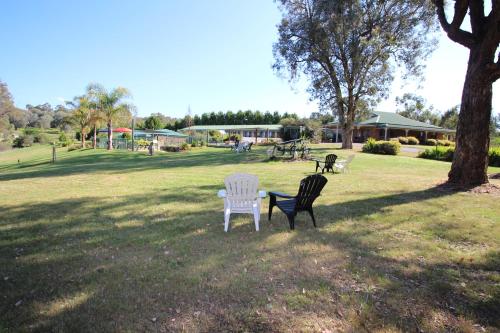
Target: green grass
120,241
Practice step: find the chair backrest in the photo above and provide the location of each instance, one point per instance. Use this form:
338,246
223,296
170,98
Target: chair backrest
249,146
330,160
241,186
349,159
309,189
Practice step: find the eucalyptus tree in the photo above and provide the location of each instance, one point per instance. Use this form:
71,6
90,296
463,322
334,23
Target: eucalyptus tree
470,160
111,105
349,49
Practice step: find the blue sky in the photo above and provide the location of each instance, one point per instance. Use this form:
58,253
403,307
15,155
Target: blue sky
211,55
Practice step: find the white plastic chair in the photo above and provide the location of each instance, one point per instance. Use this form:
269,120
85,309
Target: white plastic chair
241,197
343,165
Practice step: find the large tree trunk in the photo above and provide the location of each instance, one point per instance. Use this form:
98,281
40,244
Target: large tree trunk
94,144
110,136
347,131
470,161
348,127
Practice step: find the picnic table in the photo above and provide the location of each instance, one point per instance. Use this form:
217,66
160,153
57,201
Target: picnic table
292,148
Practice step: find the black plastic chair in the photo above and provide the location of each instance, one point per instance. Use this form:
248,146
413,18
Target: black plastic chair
327,163
309,189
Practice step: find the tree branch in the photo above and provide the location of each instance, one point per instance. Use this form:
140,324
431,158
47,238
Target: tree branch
453,29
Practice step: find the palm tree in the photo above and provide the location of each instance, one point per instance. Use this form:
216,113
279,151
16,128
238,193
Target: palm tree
110,105
81,115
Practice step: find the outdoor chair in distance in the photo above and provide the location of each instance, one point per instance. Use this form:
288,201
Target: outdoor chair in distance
343,165
309,189
248,147
241,197
327,164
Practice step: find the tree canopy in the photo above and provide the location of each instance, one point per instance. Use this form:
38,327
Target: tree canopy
348,49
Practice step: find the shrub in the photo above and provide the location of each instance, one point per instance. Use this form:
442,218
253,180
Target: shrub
127,135
63,137
403,140
173,149
494,157
438,153
194,144
31,131
446,143
412,140
41,138
431,142
23,141
441,153
142,142
381,147
185,146
74,147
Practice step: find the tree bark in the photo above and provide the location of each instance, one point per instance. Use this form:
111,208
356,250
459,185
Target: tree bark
83,139
470,160
110,136
94,144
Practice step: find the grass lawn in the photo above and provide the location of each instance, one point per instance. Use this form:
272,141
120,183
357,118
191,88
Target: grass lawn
122,241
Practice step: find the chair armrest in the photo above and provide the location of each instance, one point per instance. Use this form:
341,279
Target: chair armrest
341,161
222,194
262,194
281,195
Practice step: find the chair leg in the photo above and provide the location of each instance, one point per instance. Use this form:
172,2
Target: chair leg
256,217
317,166
312,216
227,214
272,203
291,221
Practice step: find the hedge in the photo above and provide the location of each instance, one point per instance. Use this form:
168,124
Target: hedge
381,147
446,154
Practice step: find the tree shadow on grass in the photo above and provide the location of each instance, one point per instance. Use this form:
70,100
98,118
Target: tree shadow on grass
120,162
122,265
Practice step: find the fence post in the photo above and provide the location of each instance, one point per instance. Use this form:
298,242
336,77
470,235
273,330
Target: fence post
54,152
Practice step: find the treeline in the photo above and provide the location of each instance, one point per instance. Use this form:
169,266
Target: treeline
157,120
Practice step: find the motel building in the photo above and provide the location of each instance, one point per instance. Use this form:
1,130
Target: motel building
248,133
387,125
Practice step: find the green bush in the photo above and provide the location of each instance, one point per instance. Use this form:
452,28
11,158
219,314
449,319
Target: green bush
494,157
63,137
74,147
441,153
31,131
143,142
446,143
185,146
431,142
412,140
438,153
23,141
127,135
41,138
381,147
194,144
403,140
173,149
